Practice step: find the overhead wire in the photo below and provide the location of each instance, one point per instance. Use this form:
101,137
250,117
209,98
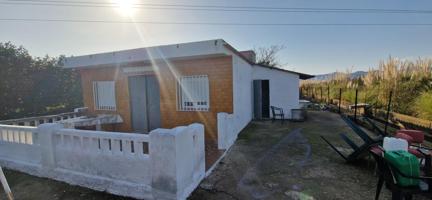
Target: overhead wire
207,23
221,8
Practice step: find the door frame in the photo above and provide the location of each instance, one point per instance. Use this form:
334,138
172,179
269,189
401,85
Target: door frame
146,97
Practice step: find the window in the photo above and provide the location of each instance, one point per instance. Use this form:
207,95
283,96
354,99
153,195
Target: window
193,93
104,95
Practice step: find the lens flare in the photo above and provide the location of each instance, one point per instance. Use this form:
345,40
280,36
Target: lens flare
124,7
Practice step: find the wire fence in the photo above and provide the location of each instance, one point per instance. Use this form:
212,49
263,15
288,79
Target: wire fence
360,102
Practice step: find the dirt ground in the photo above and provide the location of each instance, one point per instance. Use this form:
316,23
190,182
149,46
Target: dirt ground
268,161
291,161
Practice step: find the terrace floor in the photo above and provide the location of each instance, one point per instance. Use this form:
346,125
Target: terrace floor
268,161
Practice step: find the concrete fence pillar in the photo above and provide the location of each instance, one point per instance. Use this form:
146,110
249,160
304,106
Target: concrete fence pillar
222,129
46,141
177,161
227,133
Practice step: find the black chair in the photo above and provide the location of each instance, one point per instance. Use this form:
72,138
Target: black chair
387,174
277,113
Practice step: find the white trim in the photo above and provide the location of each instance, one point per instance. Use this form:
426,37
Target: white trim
138,69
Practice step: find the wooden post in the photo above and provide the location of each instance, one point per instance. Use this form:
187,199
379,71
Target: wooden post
313,93
5,185
340,99
301,92
355,106
388,111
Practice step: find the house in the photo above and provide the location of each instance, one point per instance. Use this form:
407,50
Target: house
209,82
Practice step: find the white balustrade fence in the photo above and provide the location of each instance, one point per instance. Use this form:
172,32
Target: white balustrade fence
17,134
166,164
36,121
17,144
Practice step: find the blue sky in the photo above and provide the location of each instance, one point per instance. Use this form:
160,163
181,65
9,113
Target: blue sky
309,49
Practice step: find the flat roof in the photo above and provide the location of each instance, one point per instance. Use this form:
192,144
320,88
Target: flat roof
163,52
207,48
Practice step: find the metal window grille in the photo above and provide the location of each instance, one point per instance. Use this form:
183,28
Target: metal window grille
193,93
104,95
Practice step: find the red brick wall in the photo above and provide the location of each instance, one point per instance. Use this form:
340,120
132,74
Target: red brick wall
121,91
218,69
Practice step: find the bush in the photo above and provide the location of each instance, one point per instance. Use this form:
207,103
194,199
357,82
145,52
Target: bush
32,86
424,105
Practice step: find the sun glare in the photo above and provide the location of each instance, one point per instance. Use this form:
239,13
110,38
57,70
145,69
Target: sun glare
125,7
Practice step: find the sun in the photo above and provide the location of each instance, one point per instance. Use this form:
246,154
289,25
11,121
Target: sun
124,7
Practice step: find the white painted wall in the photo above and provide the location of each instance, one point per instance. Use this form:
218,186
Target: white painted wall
229,125
284,93
105,161
284,88
243,92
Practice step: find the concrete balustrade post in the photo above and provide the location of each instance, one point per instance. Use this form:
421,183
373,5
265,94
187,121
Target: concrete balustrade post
222,130
46,141
177,161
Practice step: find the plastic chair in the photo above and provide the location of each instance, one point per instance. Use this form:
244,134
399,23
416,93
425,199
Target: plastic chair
416,135
387,174
411,140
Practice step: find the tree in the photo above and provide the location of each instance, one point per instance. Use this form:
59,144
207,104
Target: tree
15,84
35,86
268,55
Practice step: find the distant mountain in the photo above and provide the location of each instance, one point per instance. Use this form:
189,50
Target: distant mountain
323,77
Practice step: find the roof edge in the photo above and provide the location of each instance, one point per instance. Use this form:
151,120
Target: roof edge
302,76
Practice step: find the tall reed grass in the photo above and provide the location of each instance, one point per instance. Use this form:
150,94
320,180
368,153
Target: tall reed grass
410,81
